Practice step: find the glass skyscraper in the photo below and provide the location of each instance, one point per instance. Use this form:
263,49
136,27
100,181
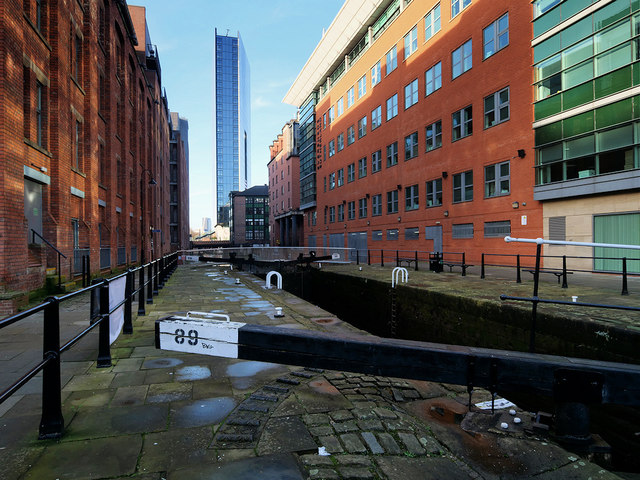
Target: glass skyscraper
231,120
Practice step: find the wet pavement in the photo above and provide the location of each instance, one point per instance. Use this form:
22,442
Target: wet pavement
168,415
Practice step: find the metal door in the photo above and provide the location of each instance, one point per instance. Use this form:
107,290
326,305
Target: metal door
434,233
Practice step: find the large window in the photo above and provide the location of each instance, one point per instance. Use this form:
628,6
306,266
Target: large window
376,235
434,192
41,115
332,114
392,234
362,86
463,187
392,107
392,154
375,74
432,22
392,201
332,181
362,167
351,210
433,78
461,59
77,146
332,214
411,94
351,135
341,212
362,127
411,42
362,208
433,135
411,233
497,180
392,60
376,117
458,5
462,230
411,198
340,106
496,108
351,172
376,161
350,97
376,205
341,177
497,229
462,123
496,36
340,142
76,59
411,146
332,148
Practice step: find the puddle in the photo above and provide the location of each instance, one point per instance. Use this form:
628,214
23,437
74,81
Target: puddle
325,321
248,369
162,363
323,386
192,373
252,314
208,411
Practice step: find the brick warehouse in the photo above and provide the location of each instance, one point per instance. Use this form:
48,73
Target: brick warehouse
84,141
423,128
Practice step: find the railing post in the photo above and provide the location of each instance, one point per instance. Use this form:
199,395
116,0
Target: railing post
518,277
416,260
381,258
534,303
482,267
368,257
162,273
357,257
397,259
155,276
141,310
84,270
59,274
564,272
150,283
104,344
52,421
464,265
625,290
127,327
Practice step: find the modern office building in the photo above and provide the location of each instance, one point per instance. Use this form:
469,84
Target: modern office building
231,121
179,183
249,216
587,127
416,128
84,130
286,218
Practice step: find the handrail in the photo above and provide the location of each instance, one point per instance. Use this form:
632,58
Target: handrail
33,236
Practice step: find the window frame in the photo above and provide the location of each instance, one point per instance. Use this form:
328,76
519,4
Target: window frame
434,23
376,205
362,167
362,86
411,198
376,114
392,154
498,106
351,135
362,207
393,107
435,84
391,60
411,94
464,188
433,190
411,42
362,127
457,3
376,72
376,161
392,202
351,172
496,34
435,139
464,122
497,180
466,53
411,146
351,97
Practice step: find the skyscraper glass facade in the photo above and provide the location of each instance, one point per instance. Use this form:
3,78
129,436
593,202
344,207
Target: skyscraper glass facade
232,121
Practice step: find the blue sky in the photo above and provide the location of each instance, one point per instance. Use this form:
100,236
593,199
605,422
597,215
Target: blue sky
278,36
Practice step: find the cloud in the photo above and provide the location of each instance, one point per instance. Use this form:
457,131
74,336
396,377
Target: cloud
261,102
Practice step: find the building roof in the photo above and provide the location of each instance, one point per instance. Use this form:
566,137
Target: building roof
346,29
257,191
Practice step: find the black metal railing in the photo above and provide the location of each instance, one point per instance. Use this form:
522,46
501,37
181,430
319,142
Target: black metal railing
78,258
52,422
50,245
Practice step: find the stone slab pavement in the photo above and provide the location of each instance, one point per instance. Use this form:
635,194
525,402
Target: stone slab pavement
167,415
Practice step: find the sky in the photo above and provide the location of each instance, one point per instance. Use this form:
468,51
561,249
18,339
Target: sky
278,37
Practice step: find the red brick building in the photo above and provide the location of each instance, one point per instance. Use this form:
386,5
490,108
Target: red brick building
284,188
85,130
423,136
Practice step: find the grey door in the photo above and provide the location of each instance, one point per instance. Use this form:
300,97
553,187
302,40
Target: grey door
434,233
357,241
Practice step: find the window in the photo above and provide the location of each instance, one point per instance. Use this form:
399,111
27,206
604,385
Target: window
77,147
375,74
411,42
350,97
325,186
376,235
392,201
340,142
362,208
411,233
351,135
392,234
376,161
433,135
433,78
434,192
392,107
432,23
332,115
496,36
463,187
39,14
351,210
76,60
392,60
411,94
362,167
341,212
496,180
362,127
376,205
332,181
332,148
324,120
496,108
376,117
497,229
462,230
411,146
351,172
458,5
332,214
461,124
392,154
461,60
362,86
41,115
411,198
341,177
340,106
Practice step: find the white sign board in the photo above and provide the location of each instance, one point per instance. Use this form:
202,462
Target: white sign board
198,335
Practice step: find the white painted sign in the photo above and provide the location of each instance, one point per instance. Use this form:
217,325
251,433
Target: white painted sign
192,258
335,256
200,335
523,220
116,296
